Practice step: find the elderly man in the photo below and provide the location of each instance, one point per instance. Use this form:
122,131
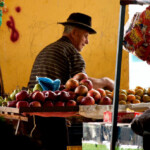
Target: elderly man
62,60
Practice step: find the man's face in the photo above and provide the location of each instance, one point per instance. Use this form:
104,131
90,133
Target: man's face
80,38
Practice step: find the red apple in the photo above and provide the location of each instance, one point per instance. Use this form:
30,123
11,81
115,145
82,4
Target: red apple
95,94
35,104
11,103
81,90
71,84
57,91
105,101
87,100
67,90
79,98
60,103
62,87
44,92
71,103
80,76
22,95
102,92
88,83
22,104
57,95
72,95
50,95
48,104
64,96
30,96
38,96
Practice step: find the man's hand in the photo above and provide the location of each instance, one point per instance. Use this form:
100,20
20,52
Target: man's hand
104,82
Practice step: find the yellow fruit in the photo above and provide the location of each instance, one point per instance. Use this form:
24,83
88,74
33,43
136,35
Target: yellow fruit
145,91
148,91
136,101
131,91
139,92
138,97
131,97
122,102
128,102
122,96
122,91
146,98
139,87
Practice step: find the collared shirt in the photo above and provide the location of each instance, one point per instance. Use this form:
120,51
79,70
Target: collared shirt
59,60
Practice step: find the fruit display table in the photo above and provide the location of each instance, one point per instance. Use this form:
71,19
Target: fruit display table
88,111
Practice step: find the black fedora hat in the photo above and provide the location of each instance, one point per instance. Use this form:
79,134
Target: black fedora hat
79,20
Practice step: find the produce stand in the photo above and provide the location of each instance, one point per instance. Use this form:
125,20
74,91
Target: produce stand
21,114
89,111
123,4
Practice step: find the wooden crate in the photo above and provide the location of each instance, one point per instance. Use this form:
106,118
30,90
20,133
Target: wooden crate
74,147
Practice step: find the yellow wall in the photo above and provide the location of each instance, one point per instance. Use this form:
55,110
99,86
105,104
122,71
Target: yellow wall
37,26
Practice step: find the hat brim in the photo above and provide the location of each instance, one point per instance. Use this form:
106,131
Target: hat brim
80,25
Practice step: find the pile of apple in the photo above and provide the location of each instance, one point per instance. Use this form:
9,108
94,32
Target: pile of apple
77,91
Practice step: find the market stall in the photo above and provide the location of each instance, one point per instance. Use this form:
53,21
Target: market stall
94,109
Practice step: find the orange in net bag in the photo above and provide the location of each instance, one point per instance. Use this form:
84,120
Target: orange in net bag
145,16
134,37
142,52
137,39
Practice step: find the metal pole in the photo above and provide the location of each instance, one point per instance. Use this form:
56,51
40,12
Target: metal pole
117,77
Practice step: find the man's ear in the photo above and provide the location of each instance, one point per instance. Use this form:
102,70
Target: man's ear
73,32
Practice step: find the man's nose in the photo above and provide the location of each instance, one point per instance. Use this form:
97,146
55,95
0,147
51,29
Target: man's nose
87,41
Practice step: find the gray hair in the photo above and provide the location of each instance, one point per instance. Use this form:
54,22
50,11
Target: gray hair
68,28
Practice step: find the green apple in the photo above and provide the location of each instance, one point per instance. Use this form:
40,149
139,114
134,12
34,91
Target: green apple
148,91
37,87
1,100
4,103
146,98
13,94
7,98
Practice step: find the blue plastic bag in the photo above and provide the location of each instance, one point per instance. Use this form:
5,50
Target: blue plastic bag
48,84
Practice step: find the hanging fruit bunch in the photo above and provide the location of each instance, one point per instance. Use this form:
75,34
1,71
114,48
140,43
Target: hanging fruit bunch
137,38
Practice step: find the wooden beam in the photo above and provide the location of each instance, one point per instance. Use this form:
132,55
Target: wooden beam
140,2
